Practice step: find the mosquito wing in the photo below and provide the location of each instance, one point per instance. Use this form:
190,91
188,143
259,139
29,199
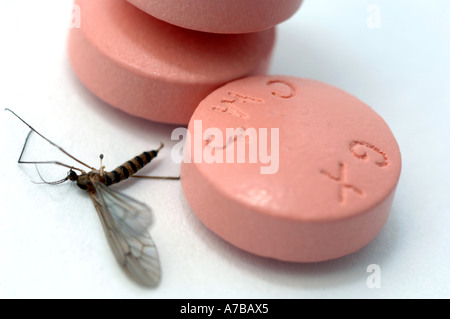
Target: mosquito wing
125,221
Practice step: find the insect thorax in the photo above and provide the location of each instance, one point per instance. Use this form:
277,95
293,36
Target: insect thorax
84,181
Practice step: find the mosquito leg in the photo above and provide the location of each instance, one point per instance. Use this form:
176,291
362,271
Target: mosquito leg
50,183
53,144
20,161
55,163
157,177
24,146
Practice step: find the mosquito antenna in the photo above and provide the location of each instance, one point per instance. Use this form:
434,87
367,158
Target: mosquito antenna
53,144
50,183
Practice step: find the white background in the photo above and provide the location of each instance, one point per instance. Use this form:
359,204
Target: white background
52,243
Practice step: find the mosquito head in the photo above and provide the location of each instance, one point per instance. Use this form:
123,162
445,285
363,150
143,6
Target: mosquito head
72,176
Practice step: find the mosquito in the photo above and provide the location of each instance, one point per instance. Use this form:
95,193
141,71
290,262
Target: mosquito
124,219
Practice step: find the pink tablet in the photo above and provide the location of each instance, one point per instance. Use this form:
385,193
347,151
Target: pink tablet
155,70
290,168
221,16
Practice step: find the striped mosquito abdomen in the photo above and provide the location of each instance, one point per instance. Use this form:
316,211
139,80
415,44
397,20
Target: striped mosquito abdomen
129,168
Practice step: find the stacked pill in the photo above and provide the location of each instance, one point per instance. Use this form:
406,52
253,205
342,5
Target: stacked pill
282,167
161,71
221,16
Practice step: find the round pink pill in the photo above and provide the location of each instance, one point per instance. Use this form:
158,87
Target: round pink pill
290,168
155,70
221,16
